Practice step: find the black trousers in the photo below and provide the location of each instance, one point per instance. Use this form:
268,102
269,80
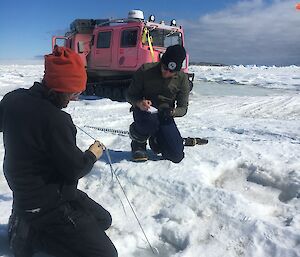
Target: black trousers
74,229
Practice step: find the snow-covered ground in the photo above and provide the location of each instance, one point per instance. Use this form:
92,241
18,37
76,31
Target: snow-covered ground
236,196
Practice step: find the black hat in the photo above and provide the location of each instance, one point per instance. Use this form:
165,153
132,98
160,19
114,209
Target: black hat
173,57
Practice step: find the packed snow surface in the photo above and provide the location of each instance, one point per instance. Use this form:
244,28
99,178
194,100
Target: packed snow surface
236,196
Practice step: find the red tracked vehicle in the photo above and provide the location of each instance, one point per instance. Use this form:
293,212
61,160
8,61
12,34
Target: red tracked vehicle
113,49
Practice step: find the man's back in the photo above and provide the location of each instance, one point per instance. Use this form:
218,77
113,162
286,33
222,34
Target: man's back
27,123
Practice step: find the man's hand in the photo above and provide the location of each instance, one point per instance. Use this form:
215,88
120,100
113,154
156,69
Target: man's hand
97,149
166,113
144,105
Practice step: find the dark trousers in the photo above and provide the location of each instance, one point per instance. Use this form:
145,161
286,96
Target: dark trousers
74,229
164,129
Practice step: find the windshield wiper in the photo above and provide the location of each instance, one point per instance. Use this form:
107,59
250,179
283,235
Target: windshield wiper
171,33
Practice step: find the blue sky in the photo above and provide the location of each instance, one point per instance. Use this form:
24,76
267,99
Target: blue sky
224,31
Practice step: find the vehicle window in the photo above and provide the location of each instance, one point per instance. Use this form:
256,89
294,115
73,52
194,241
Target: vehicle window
171,40
165,38
103,40
129,38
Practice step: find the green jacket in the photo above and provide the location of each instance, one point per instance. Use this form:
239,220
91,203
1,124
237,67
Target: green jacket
149,84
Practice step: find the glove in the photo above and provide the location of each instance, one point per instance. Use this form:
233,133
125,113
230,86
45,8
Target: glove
166,113
97,149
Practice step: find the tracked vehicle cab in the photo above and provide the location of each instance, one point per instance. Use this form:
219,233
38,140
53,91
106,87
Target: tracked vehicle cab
113,49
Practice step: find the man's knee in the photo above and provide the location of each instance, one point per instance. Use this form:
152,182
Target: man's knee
176,158
136,135
102,216
145,123
105,221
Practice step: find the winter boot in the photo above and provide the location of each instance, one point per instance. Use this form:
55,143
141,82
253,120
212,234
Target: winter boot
138,144
138,151
192,141
154,145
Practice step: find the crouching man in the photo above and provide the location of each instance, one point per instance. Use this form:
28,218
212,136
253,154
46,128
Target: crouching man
164,86
43,164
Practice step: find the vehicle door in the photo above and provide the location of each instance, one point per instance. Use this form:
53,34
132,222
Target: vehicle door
128,53
103,49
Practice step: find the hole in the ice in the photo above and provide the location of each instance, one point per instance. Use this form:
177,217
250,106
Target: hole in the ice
291,191
288,191
178,242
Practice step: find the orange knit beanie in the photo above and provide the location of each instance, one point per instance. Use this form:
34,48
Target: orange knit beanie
64,71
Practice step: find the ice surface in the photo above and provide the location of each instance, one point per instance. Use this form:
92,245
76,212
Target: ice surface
236,196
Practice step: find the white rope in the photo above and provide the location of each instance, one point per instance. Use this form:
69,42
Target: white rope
117,178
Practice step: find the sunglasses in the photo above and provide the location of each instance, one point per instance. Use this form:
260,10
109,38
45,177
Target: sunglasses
74,96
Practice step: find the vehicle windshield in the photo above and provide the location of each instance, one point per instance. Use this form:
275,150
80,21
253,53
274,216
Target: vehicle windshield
165,38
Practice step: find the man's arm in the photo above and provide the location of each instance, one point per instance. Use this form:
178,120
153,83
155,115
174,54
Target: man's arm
2,104
135,90
182,98
68,159
1,116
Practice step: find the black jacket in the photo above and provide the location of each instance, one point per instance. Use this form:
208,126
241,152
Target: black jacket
42,163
